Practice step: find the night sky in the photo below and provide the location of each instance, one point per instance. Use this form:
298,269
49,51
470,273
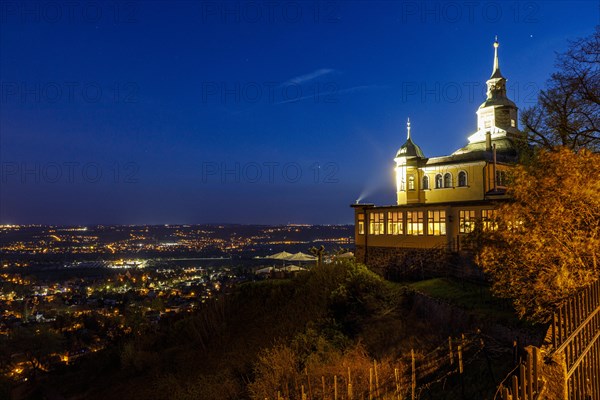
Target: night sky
247,112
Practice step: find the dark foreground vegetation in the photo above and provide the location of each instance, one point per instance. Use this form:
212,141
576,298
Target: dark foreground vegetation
336,326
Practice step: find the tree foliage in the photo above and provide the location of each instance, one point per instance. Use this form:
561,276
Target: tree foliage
547,241
282,369
568,111
36,343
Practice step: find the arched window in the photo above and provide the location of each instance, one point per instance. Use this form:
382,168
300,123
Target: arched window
447,180
462,178
438,181
411,182
425,182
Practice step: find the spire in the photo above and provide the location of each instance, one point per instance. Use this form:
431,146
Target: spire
409,149
496,71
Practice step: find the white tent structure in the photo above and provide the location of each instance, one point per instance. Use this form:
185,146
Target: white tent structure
301,257
266,270
284,255
293,268
348,254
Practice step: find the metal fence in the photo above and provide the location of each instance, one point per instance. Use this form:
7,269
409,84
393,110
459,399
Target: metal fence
576,333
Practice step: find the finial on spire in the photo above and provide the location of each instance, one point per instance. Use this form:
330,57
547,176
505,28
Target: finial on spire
496,70
408,128
496,45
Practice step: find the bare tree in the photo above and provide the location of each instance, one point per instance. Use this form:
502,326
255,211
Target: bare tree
568,111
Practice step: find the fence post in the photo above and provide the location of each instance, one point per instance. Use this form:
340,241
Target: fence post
370,383
536,369
349,385
413,375
396,373
529,375
335,394
523,381
450,350
376,379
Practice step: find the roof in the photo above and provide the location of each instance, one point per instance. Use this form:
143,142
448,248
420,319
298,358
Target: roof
441,205
505,147
410,149
498,101
505,153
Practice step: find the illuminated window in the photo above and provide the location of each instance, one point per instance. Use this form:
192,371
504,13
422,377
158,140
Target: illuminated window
436,222
411,182
414,222
402,184
515,225
488,220
466,221
395,223
425,182
361,224
439,183
447,180
501,178
376,223
462,178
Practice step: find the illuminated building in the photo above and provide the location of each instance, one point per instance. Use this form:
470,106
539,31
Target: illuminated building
438,199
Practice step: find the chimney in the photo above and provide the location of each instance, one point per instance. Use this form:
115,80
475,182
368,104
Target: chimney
488,141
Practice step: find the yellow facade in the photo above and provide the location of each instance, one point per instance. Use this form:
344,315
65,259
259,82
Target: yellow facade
468,182
440,198
419,226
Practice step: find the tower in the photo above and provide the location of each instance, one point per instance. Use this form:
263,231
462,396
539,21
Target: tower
408,159
497,115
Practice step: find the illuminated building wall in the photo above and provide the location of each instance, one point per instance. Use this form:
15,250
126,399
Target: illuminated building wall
438,199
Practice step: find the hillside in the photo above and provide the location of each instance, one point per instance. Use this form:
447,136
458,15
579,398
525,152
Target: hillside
336,325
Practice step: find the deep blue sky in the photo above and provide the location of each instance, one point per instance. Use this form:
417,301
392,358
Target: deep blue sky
128,112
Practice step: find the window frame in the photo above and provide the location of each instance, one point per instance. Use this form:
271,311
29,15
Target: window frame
414,221
376,223
436,218
446,176
466,222
425,182
410,182
361,223
502,177
439,183
489,221
395,223
466,179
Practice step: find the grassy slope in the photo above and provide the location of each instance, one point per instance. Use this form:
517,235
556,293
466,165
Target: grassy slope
212,355
474,298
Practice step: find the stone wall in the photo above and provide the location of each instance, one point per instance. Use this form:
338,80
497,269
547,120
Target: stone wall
397,263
